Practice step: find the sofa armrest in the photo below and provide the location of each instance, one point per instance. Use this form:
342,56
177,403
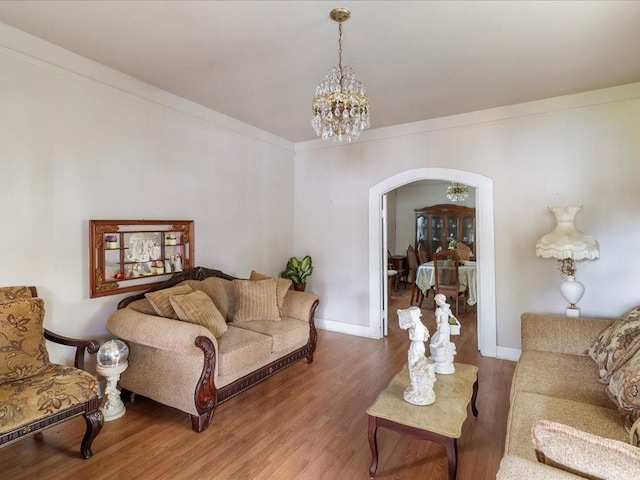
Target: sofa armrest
547,332
157,332
299,305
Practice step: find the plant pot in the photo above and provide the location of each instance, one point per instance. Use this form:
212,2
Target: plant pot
299,287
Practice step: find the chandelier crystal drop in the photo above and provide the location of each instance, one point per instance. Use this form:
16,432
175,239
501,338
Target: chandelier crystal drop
457,192
340,107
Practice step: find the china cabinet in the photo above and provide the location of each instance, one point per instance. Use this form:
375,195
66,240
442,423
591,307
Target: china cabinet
128,255
437,225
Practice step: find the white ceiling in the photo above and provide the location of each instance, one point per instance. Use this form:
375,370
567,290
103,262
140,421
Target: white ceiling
260,61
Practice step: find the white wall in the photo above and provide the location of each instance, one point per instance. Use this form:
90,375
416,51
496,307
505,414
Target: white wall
580,149
84,142
419,195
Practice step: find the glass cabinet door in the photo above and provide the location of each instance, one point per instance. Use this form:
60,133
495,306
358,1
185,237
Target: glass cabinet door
469,233
437,234
452,229
421,231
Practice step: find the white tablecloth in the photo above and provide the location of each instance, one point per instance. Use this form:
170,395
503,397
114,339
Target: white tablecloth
468,275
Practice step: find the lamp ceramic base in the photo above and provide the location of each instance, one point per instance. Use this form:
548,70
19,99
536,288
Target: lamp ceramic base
573,312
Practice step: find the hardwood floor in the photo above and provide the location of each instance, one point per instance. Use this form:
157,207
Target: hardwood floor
306,422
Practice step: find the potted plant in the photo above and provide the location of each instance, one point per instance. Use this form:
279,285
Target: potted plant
298,271
454,325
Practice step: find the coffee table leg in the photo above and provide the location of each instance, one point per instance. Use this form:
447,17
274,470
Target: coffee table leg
373,443
451,445
474,409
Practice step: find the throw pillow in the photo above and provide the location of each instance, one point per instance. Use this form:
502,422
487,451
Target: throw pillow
9,294
624,390
583,453
197,307
161,300
283,286
23,351
616,344
256,300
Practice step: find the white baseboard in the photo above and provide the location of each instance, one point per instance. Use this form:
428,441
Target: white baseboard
340,327
508,353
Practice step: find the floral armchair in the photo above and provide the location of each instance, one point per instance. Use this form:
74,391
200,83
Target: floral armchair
35,393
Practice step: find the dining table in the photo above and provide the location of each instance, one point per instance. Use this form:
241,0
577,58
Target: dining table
467,275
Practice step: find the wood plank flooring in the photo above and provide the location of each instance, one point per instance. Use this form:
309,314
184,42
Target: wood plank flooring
306,422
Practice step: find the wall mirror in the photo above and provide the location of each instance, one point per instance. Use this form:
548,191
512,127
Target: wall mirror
128,255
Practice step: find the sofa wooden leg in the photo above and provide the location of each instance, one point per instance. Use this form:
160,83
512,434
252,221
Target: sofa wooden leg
199,423
94,421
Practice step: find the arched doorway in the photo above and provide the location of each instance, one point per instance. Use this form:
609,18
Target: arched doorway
487,325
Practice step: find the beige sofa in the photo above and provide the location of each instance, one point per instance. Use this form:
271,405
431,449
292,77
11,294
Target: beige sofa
186,366
556,380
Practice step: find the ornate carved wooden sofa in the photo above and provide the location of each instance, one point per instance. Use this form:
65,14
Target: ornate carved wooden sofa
254,328
34,393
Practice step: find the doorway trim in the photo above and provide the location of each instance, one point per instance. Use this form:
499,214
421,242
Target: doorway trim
487,323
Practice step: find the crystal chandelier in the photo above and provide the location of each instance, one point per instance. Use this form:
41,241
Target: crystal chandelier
457,192
340,106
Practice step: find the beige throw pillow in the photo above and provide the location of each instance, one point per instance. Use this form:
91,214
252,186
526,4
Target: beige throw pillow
9,294
197,307
23,351
583,453
283,286
256,300
161,300
616,344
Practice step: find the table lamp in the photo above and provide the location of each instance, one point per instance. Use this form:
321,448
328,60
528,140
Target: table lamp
567,244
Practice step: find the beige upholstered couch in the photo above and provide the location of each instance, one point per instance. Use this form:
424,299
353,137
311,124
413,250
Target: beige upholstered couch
556,380
186,366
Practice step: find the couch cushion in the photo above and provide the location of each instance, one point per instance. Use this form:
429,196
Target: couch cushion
197,307
527,408
573,377
221,292
240,348
143,306
9,294
616,344
624,389
23,350
287,334
255,300
578,452
30,399
161,300
283,286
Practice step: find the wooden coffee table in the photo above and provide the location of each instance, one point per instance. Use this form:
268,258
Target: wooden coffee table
439,422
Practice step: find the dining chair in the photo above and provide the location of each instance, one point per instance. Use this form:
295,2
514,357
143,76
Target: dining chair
412,259
422,254
447,278
464,252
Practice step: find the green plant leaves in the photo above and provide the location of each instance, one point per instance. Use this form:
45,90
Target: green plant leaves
298,270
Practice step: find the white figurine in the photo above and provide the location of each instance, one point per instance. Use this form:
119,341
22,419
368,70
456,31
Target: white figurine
421,369
177,263
441,347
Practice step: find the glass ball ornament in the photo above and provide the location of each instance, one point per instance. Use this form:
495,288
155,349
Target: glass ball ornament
113,352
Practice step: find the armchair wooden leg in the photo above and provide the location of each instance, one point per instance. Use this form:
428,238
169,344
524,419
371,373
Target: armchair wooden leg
94,421
199,423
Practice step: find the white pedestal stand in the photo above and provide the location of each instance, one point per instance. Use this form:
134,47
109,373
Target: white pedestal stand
112,407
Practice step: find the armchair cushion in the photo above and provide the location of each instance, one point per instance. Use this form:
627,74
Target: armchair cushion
23,350
256,300
44,394
197,307
616,344
583,453
161,300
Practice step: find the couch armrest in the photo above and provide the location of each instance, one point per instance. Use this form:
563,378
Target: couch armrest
299,305
547,332
157,332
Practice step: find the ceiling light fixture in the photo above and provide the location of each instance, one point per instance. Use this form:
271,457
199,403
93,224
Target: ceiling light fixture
340,106
457,192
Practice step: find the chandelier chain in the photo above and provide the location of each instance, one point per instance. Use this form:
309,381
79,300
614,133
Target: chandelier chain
340,51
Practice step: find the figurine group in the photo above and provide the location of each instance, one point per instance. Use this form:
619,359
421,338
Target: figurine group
422,370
